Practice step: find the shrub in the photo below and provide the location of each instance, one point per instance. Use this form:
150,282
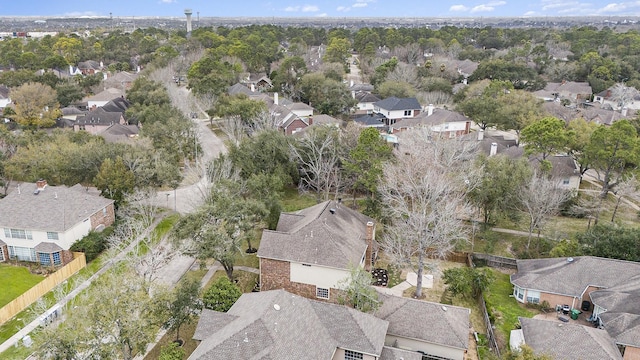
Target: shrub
93,243
221,295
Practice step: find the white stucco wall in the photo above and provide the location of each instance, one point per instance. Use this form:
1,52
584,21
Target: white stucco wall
320,276
433,349
365,106
395,114
65,240
450,126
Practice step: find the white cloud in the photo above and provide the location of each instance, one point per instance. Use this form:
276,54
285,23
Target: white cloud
560,5
482,8
81,13
322,15
619,7
497,3
310,8
167,1
360,5
458,8
530,13
343,8
292,8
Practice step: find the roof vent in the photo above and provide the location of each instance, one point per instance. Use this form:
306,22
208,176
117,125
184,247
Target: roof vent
569,259
332,210
36,192
276,306
444,308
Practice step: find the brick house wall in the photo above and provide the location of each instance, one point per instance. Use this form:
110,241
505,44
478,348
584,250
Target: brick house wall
275,274
295,124
102,217
5,252
555,299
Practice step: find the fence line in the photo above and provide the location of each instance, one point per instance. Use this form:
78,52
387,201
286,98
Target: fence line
32,295
496,261
491,338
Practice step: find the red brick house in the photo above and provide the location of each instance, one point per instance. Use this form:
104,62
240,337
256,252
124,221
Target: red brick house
312,250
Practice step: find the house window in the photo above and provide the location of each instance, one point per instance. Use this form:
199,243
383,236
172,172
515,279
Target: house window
518,292
533,296
104,211
565,181
22,253
45,259
408,112
56,258
52,235
322,293
2,255
352,355
18,234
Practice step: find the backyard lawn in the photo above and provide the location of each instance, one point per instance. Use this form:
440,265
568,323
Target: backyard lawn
15,280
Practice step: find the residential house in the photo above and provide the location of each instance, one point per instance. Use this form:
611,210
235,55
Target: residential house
5,99
239,88
279,325
372,120
320,120
395,109
606,97
436,330
290,117
276,324
441,121
103,97
122,79
90,67
257,82
564,341
120,133
365,102
313,250
40,222
574,92
97,120
607,286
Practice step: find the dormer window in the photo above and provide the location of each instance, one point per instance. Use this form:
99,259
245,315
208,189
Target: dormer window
408,112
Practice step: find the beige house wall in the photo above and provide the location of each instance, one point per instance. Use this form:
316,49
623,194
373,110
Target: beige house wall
631,353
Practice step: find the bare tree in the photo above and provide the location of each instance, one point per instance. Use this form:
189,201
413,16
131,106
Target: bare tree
540,199
318,158
425,194
626,188
623,95
435,97
404,73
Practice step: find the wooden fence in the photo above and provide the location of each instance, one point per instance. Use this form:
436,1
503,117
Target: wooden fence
32,295
491,337
496,261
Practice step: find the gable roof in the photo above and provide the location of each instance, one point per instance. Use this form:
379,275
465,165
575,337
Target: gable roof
106,95
568,341
238,88
315,235
119,133
99,116
365,97
391,353
571,276
370,120
439,116
394,103
425,321
56,208
119,104
279,325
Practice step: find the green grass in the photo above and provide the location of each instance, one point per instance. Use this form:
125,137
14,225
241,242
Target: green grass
15,281
502,307
292,200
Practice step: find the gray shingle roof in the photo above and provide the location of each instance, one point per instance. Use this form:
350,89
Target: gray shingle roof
211,322
99,116
279,325
623,327
394,103
559,276
238,88
2,243
366,97
439,116
106,95
316,236
119,105
56,208
391,353
47,247
568,341
426,321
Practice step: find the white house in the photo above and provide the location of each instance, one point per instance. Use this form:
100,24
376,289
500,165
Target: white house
395,109
441,121
103,97
312,250
40,223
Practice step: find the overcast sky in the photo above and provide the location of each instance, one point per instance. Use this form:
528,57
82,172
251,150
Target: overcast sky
311,8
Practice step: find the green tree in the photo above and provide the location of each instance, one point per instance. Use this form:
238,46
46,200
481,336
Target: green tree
613,152
114,180
337,50
611,242
328,96
221,295
288,76
545,137
184,306
36,105
398,89
357,291
581,131
365,164
240,106
172,351
68,92
517,110
500,179
467,282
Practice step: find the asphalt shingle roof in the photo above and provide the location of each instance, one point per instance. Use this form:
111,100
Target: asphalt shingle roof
315,235
279,325
568,341
394,103
439,116
56,208
426,321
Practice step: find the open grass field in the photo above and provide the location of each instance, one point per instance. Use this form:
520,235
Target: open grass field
15,280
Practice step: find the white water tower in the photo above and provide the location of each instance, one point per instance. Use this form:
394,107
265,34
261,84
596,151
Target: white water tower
188,12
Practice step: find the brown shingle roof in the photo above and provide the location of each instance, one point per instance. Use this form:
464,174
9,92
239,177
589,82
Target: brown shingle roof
316,235
279,325
47,247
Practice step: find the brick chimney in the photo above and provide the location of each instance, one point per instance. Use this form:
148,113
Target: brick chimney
41,184
369,253
310,120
